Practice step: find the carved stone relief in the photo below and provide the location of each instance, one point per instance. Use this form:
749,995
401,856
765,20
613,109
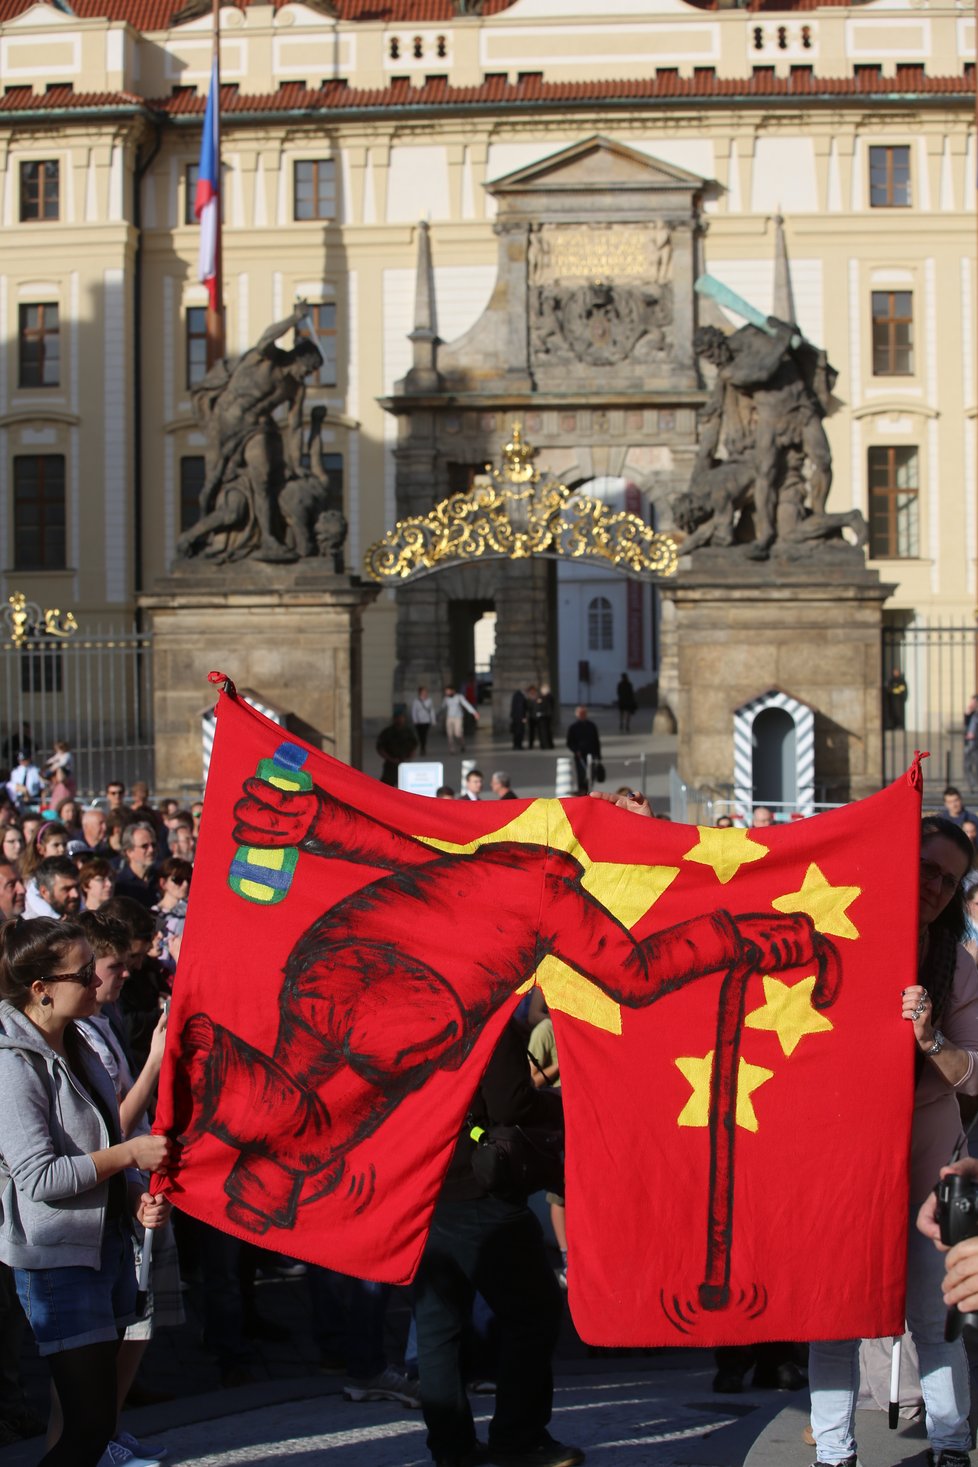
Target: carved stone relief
600,295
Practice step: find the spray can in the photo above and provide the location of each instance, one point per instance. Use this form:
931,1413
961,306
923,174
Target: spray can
257,873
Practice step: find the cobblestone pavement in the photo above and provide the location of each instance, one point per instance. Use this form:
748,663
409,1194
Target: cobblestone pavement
625,1409
661,1417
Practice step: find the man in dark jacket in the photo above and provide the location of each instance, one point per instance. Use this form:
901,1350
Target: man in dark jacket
583,739
491,1245
395,744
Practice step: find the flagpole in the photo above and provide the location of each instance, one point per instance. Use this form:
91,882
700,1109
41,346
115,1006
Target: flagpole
215,314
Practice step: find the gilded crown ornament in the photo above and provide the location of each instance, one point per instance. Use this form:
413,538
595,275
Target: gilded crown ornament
514,513
25,620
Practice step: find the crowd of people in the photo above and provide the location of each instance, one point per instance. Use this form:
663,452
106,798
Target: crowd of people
532,718
93,899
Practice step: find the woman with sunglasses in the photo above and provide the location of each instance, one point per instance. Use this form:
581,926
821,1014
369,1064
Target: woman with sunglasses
65,1207
942,1006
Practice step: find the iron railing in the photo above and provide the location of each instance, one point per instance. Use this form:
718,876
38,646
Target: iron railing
93,689
938,665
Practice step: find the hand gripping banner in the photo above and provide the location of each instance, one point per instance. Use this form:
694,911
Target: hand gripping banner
737,1079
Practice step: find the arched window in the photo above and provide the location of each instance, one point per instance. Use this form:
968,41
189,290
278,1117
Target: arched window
600,625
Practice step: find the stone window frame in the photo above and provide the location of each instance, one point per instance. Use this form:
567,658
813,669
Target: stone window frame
323,211
600,625
46,494
32,374
195,335
40,203
883,464
888,184
189,485
885,330
328,334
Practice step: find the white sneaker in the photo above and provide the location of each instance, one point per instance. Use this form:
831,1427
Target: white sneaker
126,1439
117,1455
389,1385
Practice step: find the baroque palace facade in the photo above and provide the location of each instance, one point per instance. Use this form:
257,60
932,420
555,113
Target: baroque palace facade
389,161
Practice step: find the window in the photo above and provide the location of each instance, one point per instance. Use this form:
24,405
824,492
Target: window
40,190
889,178
196,344
191,483
333,469
600,625
190,177
324,334
39,511
333,464
892,333
39,346
315,189
893,506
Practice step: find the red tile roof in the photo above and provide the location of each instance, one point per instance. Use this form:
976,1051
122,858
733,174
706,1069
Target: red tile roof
438,93
23,99
781,5
157,15
410,12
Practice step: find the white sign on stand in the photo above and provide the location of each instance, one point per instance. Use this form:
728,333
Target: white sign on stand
420,778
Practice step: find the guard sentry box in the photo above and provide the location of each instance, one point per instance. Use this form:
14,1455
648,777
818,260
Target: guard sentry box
261,875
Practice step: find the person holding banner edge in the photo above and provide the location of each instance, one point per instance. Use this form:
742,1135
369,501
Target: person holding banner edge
61,1149
943,1009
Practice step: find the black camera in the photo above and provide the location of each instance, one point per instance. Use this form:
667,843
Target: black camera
957,1218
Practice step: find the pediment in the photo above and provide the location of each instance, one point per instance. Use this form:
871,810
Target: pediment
40,14
596,162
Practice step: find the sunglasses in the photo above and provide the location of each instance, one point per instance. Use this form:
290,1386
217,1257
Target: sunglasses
85,976
931,873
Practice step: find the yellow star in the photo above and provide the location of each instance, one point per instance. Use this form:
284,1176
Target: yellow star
825,904
699,1072
626,891
725,850
788,1012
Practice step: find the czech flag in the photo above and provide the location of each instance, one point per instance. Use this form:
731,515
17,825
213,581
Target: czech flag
207,206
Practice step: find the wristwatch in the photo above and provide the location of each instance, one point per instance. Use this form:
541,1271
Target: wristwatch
938,1045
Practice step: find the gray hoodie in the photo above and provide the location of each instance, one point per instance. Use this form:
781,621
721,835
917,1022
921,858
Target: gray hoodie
52,1206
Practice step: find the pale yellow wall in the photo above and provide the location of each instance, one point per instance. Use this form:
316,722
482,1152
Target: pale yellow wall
391,171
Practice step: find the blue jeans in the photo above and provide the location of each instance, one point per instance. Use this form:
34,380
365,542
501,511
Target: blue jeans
73,1306
348,1320
495,1248
833,1367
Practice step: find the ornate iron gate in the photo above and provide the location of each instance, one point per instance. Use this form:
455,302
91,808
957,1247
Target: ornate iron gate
90,686
938,668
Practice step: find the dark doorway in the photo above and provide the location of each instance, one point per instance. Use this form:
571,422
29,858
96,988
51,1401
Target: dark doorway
775,764
462,618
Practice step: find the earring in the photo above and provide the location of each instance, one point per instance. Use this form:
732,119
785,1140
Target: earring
46,1001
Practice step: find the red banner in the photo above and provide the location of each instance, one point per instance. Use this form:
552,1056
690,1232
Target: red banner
736,1075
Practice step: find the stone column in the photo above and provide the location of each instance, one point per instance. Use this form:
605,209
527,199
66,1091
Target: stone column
812,631
524,632
289,632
